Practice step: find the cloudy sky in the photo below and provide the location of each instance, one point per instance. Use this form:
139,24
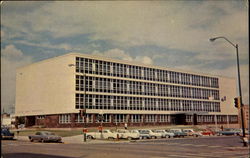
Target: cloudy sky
165,33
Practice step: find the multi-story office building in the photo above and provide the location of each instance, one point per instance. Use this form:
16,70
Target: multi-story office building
51,93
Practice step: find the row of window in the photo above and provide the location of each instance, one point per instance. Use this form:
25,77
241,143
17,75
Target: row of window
139,118
139,103
92,66
220,118
96,84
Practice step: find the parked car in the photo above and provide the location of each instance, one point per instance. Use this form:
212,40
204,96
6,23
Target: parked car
207,132
229,131
151,133
105,134
126,134
21,126
45,136
143,134
178,132
164,134
191,132
6,134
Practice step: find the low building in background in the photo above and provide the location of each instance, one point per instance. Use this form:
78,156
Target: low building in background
51,93
7,120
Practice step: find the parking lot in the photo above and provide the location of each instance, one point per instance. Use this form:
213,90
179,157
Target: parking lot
182,142
214,146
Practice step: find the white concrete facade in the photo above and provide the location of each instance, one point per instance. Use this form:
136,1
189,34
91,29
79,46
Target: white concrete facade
46,87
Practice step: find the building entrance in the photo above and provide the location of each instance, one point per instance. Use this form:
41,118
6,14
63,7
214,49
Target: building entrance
178,119
195,119
30,121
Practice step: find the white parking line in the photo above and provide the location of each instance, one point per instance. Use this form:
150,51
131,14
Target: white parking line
214,146
197,156
186,144
199,145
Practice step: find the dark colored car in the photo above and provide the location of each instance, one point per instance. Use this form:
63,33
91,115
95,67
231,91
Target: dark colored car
229,131
177,132
45,136
6,134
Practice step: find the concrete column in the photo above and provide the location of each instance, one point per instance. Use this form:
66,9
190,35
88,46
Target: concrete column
215,121
227,121
72,119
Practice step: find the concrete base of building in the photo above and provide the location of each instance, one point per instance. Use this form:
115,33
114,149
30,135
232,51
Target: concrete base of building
55,121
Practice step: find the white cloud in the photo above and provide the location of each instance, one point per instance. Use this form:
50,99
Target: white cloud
179,25
64,46
144,60
11,59
11,52
114,53
171,24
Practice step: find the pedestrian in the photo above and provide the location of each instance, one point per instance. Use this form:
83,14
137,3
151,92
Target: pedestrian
222,127
100,128
126,126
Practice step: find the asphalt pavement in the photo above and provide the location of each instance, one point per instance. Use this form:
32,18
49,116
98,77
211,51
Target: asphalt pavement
73,147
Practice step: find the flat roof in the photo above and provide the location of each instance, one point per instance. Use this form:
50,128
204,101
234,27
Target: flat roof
124,62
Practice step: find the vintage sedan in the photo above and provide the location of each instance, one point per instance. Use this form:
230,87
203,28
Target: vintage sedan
151,133
105,134
6,134
126,134
45,136
229,131
191,132
143,134
164,133
177,132
207,132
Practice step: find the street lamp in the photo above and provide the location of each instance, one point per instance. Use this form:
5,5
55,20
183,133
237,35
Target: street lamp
83,110
238,69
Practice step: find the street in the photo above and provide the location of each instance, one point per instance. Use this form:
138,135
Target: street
214,147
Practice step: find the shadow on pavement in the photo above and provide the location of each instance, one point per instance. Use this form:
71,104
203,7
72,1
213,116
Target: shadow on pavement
31,155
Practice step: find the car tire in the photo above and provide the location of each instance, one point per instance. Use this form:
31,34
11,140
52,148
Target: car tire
31,140
89,137
110,138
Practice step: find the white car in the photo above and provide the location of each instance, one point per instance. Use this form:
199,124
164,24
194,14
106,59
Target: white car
126,134
143,134
105,134
164,133
151,133
191,132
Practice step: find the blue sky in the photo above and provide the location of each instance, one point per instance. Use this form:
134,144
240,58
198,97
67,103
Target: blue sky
166,33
